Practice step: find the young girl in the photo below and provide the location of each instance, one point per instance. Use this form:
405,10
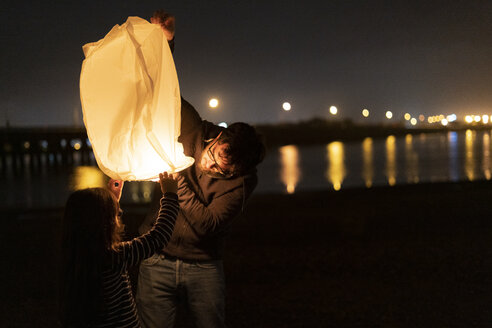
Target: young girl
95,289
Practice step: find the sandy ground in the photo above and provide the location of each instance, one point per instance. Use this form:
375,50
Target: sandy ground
410,256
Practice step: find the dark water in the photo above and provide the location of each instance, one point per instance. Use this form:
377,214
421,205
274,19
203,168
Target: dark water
391,161
452,156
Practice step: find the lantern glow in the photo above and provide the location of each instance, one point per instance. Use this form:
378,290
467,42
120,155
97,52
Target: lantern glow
131,102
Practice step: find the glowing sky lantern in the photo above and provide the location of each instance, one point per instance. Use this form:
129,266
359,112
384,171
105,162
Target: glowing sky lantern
131,102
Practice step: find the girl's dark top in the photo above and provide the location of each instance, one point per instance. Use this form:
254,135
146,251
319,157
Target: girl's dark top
121,308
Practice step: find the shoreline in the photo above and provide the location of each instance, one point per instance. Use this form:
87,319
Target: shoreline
27,213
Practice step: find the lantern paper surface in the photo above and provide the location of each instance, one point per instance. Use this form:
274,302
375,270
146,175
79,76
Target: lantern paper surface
131,102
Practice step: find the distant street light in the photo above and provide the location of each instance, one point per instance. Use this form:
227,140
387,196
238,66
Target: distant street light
451,118
413,121
333,110
407,116
286,106
389,115
365,112
213,103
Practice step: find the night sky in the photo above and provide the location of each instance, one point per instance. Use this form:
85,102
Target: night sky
421,57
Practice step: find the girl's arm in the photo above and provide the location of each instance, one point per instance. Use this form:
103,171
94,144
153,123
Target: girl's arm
157,238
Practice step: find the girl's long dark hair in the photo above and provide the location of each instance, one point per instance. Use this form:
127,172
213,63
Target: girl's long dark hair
90,230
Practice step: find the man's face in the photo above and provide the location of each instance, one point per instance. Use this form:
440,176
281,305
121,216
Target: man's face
214,161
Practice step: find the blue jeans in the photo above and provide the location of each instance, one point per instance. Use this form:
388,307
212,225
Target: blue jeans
163,284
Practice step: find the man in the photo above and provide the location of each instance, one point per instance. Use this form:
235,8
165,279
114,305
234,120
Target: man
212,192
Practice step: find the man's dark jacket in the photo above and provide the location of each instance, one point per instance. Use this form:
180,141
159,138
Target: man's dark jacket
207,205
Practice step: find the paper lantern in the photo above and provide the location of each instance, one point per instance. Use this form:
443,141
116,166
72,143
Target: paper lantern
131,102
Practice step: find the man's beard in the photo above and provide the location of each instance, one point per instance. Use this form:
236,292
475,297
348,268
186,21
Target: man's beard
211,173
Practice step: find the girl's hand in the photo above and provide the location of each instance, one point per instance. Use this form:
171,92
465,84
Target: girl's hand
116,186
168,183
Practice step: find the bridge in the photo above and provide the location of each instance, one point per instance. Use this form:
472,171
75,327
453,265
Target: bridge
33,148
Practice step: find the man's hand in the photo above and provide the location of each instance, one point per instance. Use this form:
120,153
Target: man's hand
166,21
168,183
116,186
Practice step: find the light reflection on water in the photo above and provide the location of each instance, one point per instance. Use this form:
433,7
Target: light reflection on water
367,162
486,156
391,160
289,167
411,161
86,177
453,156
50,187
470,161
336,170
91,177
